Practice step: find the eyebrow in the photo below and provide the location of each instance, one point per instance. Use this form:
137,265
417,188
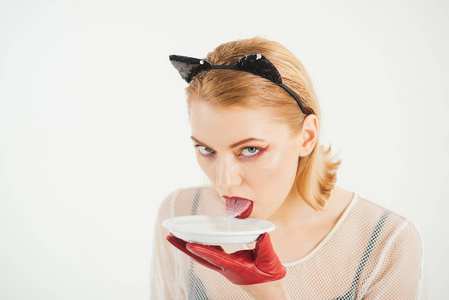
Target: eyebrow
233,145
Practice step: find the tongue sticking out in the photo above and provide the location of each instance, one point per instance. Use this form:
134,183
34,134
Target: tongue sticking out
239,208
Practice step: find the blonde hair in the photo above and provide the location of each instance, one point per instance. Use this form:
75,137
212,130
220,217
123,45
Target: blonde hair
316,173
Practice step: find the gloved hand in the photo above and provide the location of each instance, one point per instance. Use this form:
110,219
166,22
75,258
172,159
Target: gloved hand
244,267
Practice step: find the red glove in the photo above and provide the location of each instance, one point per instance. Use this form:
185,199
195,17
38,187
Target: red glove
258,265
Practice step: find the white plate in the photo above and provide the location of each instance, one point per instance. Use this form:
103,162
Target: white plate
217,230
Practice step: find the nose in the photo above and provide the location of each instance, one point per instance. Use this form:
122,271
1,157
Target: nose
228,174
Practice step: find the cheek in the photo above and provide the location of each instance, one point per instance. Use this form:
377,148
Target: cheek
273,183
206,166
279,167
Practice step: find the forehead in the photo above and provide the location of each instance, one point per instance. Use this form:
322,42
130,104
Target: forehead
213,124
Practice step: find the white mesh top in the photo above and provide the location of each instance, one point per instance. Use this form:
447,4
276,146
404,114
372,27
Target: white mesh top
371,253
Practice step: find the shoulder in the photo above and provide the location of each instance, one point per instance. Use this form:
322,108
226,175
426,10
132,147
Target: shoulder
393,249
389,227
190,201
372,211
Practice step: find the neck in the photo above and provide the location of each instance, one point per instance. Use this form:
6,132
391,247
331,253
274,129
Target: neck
295,212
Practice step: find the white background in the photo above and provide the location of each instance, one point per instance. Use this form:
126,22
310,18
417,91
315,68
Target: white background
94,130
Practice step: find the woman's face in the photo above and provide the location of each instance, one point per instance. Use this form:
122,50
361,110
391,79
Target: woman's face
246,154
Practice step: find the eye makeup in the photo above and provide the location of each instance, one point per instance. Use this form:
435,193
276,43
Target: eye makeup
258,153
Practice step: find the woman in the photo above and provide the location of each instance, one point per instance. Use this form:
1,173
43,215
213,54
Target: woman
255,123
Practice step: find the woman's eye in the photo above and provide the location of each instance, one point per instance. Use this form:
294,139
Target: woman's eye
250,151
205,150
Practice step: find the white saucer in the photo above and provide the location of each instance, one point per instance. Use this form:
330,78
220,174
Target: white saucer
217,230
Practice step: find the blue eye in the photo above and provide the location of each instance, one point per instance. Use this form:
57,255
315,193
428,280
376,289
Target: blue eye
204,150
250,151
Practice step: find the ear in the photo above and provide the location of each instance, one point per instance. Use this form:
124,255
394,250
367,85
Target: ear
188,67
309,135
259,65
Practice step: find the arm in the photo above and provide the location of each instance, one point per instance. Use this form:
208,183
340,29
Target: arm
398,275
163,275
267,291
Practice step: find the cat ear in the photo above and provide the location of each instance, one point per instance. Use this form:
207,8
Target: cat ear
259,65
188,67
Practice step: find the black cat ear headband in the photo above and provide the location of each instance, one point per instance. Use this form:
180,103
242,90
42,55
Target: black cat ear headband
256,64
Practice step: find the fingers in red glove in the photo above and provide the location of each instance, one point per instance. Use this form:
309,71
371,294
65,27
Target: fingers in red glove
181,245
246,266
221,259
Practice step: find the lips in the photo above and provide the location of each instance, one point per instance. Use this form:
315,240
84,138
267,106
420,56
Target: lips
237,207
